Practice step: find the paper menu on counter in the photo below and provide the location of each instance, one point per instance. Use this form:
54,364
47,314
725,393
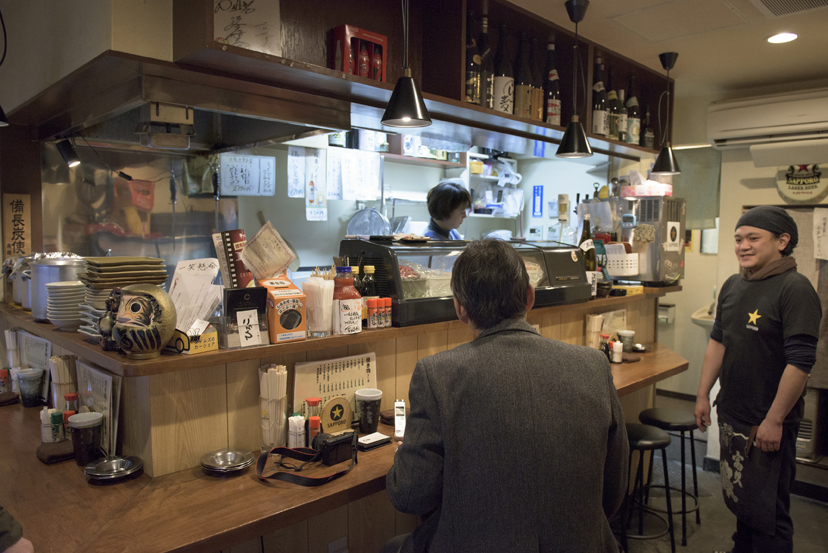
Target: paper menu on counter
267,254
35,352
193,293
333,378
100,390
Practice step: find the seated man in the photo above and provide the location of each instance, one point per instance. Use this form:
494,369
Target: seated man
515,442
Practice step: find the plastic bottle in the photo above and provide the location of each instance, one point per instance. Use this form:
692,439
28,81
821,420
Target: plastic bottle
387,302
314,427
372,313
344,290
313,411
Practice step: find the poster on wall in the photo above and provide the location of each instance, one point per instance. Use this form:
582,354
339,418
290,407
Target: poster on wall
537,201
316,202
17,224
673,242
801,184
820,230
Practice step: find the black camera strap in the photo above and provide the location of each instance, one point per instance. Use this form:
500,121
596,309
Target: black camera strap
305,454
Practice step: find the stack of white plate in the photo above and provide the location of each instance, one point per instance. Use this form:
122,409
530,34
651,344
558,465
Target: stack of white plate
62,308
97,298
89,322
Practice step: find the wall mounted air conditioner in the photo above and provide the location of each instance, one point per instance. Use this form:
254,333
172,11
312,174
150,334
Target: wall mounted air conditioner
780,130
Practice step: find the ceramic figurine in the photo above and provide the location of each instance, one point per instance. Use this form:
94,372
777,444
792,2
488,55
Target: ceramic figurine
142,319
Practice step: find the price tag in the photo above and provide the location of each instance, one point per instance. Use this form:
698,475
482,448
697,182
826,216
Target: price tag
587,245
248,322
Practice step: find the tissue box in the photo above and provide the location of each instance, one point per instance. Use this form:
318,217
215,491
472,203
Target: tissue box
649,188
286,310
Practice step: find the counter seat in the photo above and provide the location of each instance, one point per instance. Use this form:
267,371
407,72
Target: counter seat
191,511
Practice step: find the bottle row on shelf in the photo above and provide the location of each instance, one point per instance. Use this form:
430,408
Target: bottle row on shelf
522,89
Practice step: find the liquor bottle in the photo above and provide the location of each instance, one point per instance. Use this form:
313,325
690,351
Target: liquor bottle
612,108
376,63
647,135
486,64
364,61
587,246
523,80
600,121
622,116
472,63
504,81
633,116
537,83
552,86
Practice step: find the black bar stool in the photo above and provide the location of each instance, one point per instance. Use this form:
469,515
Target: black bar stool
643,438
678,421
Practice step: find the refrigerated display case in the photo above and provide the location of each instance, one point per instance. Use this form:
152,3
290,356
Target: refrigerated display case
417,275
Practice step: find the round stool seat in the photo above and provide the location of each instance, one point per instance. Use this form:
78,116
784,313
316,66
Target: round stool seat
644,437
668,419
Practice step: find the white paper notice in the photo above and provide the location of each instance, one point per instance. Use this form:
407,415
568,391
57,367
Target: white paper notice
674,238
250,24
821,233
267,254
201,270
316,201
245,175
296,172
350,174
334,176
267,176
369,188
248,322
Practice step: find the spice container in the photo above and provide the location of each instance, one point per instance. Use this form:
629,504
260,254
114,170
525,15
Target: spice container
71,402
314,427
347,304
373,317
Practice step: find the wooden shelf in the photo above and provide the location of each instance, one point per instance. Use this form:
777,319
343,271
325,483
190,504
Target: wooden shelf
487,216
422,162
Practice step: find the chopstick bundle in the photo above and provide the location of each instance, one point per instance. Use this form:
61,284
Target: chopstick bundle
273,402
11,347
64,378
319,293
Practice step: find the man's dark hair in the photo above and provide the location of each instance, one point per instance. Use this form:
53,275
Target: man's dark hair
444,198
489,280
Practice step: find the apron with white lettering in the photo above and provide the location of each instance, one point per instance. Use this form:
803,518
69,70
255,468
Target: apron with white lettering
750,476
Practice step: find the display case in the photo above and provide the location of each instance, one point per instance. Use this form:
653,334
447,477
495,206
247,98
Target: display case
417,275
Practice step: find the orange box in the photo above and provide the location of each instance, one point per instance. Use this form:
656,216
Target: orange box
287,318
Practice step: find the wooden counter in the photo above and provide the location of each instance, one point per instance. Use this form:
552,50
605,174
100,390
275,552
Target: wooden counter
191,511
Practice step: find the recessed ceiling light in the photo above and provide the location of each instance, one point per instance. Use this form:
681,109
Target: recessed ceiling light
782,37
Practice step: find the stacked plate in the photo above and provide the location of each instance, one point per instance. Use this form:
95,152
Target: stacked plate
97,298
105,273
226,461
89,322
62,307
107,469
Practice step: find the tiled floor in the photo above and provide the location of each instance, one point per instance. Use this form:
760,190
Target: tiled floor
717,522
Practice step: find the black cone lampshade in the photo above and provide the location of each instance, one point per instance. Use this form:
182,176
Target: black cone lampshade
67,151
406,108
666,163
3,121
574,143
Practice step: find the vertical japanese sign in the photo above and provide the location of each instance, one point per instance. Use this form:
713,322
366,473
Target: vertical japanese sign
17,224
537,201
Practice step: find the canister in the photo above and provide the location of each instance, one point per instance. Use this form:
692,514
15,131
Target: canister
51,269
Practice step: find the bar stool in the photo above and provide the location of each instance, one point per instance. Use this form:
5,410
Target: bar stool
643,438
678,421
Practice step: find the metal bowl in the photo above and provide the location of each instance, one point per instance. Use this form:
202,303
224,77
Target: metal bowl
227,459
113,467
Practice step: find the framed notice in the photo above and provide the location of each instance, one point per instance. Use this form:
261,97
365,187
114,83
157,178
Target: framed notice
17,224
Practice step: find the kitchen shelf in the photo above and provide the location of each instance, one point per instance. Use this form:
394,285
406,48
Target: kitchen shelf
422,162
487,216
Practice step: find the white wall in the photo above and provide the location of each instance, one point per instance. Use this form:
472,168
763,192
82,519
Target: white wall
48,39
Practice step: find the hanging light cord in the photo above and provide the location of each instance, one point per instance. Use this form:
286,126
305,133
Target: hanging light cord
575,75
5,39
667,118
405,33
119,173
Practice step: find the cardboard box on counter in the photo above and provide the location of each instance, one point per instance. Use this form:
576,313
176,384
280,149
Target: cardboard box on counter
286,310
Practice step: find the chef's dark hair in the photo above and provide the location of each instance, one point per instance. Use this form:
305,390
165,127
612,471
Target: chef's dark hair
447,196
490,281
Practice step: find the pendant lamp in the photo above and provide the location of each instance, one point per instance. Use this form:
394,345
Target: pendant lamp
666,163
3,121
574,143
68,153
406,108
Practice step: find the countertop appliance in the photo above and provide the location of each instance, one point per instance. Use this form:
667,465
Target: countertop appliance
417,275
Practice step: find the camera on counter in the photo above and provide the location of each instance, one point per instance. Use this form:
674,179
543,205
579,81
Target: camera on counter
335,448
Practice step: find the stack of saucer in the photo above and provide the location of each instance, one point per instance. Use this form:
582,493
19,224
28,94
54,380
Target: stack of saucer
105,273
62,308
226,461
108,469
89,319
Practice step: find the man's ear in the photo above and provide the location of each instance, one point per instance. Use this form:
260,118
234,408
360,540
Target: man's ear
530,297
784,239
461,312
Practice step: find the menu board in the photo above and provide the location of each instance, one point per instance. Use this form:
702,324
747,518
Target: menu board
334,378
100,390
245,175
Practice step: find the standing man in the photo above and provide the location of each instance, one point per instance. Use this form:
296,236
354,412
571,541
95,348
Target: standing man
515,442
761,349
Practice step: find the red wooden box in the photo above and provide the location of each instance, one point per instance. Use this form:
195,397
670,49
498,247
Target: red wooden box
348,42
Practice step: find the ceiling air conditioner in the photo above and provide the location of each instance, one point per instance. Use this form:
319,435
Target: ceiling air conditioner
780,130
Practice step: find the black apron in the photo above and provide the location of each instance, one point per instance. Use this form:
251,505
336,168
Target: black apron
750,476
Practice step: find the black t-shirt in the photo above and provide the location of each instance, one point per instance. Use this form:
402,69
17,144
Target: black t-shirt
756,316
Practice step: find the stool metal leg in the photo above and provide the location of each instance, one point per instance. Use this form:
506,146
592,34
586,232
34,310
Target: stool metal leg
649,475
683,495
639,478
669,501
695,480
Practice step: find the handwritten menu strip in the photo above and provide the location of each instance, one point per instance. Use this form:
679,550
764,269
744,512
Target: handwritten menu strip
251,24
333,378
296,172
821,233
244,175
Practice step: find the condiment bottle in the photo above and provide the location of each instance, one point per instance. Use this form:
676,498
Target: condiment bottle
387,302
315,426
605,346
347,304
313,411
617,352
357,279
71,402
372,313
369,284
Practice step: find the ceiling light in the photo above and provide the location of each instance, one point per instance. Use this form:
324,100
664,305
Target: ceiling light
666,163
68,153
781,38
406,108
574,143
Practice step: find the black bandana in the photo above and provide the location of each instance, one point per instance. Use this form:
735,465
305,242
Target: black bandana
773,219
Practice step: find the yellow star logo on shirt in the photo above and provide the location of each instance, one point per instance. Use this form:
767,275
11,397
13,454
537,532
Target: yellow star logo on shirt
336,413
754,317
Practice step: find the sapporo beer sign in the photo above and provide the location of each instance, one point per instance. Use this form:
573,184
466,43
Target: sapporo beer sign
801,183
17,224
